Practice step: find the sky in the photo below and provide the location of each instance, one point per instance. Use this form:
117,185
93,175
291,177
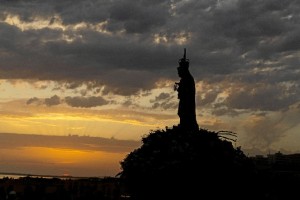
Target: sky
106,69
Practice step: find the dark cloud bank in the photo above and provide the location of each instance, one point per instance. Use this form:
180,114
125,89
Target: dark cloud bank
76,101
223,38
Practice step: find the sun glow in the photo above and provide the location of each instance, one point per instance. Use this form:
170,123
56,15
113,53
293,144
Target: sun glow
73,123
59,161
67,156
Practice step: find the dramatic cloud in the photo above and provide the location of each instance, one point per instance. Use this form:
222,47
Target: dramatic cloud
33,100
85,102
164,101
52,101
77,101
244,54
99,41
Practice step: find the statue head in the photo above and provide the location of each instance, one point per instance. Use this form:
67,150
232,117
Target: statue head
183,65
184,62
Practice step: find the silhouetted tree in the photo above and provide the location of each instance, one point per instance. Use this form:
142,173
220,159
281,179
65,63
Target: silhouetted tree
174,163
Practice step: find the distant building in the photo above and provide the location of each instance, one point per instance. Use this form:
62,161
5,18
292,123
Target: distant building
278,162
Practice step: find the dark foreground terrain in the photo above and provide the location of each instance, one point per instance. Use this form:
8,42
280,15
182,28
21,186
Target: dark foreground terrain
175,164
29,188
269,185
201,164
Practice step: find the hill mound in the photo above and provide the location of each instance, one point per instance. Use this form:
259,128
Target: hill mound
174,163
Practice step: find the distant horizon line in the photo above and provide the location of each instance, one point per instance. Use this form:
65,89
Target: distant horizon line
67,135
50,176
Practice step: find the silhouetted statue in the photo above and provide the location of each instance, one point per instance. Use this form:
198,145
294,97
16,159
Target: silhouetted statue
186,95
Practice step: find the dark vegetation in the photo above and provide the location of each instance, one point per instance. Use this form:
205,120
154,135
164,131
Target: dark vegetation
202,164
35,188
179,164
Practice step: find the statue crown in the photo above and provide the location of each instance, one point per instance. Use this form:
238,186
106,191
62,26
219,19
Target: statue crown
184,62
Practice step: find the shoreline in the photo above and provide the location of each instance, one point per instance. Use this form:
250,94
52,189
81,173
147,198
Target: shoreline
16,175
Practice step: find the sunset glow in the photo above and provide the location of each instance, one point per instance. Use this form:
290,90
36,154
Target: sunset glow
39,160
107,69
